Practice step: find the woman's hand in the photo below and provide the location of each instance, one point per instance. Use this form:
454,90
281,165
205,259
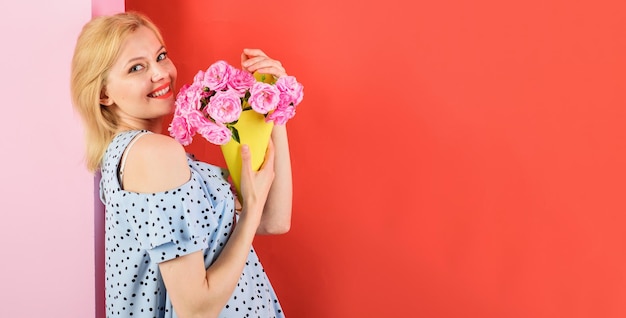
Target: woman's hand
255,185
255,60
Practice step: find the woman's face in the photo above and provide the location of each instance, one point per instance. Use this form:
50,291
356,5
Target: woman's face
140,84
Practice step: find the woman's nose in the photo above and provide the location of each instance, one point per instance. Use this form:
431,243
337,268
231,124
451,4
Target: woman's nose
158,72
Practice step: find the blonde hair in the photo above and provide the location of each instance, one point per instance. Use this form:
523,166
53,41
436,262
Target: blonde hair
97,48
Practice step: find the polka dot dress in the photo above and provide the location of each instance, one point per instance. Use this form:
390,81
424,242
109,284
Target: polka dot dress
144,229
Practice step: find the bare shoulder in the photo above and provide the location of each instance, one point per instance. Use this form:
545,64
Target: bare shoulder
155,163
152,144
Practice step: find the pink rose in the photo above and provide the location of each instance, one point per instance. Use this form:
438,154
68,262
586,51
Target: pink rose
263,97
199,78
217,75
282,114
215,133
240,81
179,129
224,106
182,103
188,98
195,119
287,85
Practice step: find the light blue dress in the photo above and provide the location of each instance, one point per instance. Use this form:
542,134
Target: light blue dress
144,229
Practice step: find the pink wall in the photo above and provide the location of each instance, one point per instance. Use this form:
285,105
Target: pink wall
101,7
46,195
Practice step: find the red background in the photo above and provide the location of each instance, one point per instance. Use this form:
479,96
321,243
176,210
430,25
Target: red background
451,158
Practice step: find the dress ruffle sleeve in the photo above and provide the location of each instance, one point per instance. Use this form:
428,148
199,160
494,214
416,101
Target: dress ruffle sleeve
170,224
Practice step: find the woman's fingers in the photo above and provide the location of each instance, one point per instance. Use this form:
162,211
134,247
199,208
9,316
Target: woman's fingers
255,185
264,65
255,60
253,52
250,56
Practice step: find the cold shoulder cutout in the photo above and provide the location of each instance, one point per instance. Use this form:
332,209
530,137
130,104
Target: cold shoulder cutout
156,163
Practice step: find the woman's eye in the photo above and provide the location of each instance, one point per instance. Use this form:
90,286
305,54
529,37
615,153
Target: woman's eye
162,56
135,68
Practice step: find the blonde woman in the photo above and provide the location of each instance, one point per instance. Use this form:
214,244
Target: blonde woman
174,247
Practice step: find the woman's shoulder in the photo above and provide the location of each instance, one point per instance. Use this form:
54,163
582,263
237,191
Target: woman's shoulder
155,163
156,142
157,149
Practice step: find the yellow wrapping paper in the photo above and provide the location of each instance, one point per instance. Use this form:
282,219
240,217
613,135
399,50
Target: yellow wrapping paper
254,132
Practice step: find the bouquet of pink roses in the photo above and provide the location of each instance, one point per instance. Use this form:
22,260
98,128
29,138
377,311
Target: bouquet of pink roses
229,106
214,102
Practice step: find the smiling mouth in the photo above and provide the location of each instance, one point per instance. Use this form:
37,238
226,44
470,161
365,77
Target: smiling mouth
161,92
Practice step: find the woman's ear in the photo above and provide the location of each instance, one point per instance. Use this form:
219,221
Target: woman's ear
104,98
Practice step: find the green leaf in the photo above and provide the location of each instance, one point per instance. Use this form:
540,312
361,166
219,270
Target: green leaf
235,134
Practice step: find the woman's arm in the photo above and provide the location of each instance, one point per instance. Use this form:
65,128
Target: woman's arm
276,217
194,290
